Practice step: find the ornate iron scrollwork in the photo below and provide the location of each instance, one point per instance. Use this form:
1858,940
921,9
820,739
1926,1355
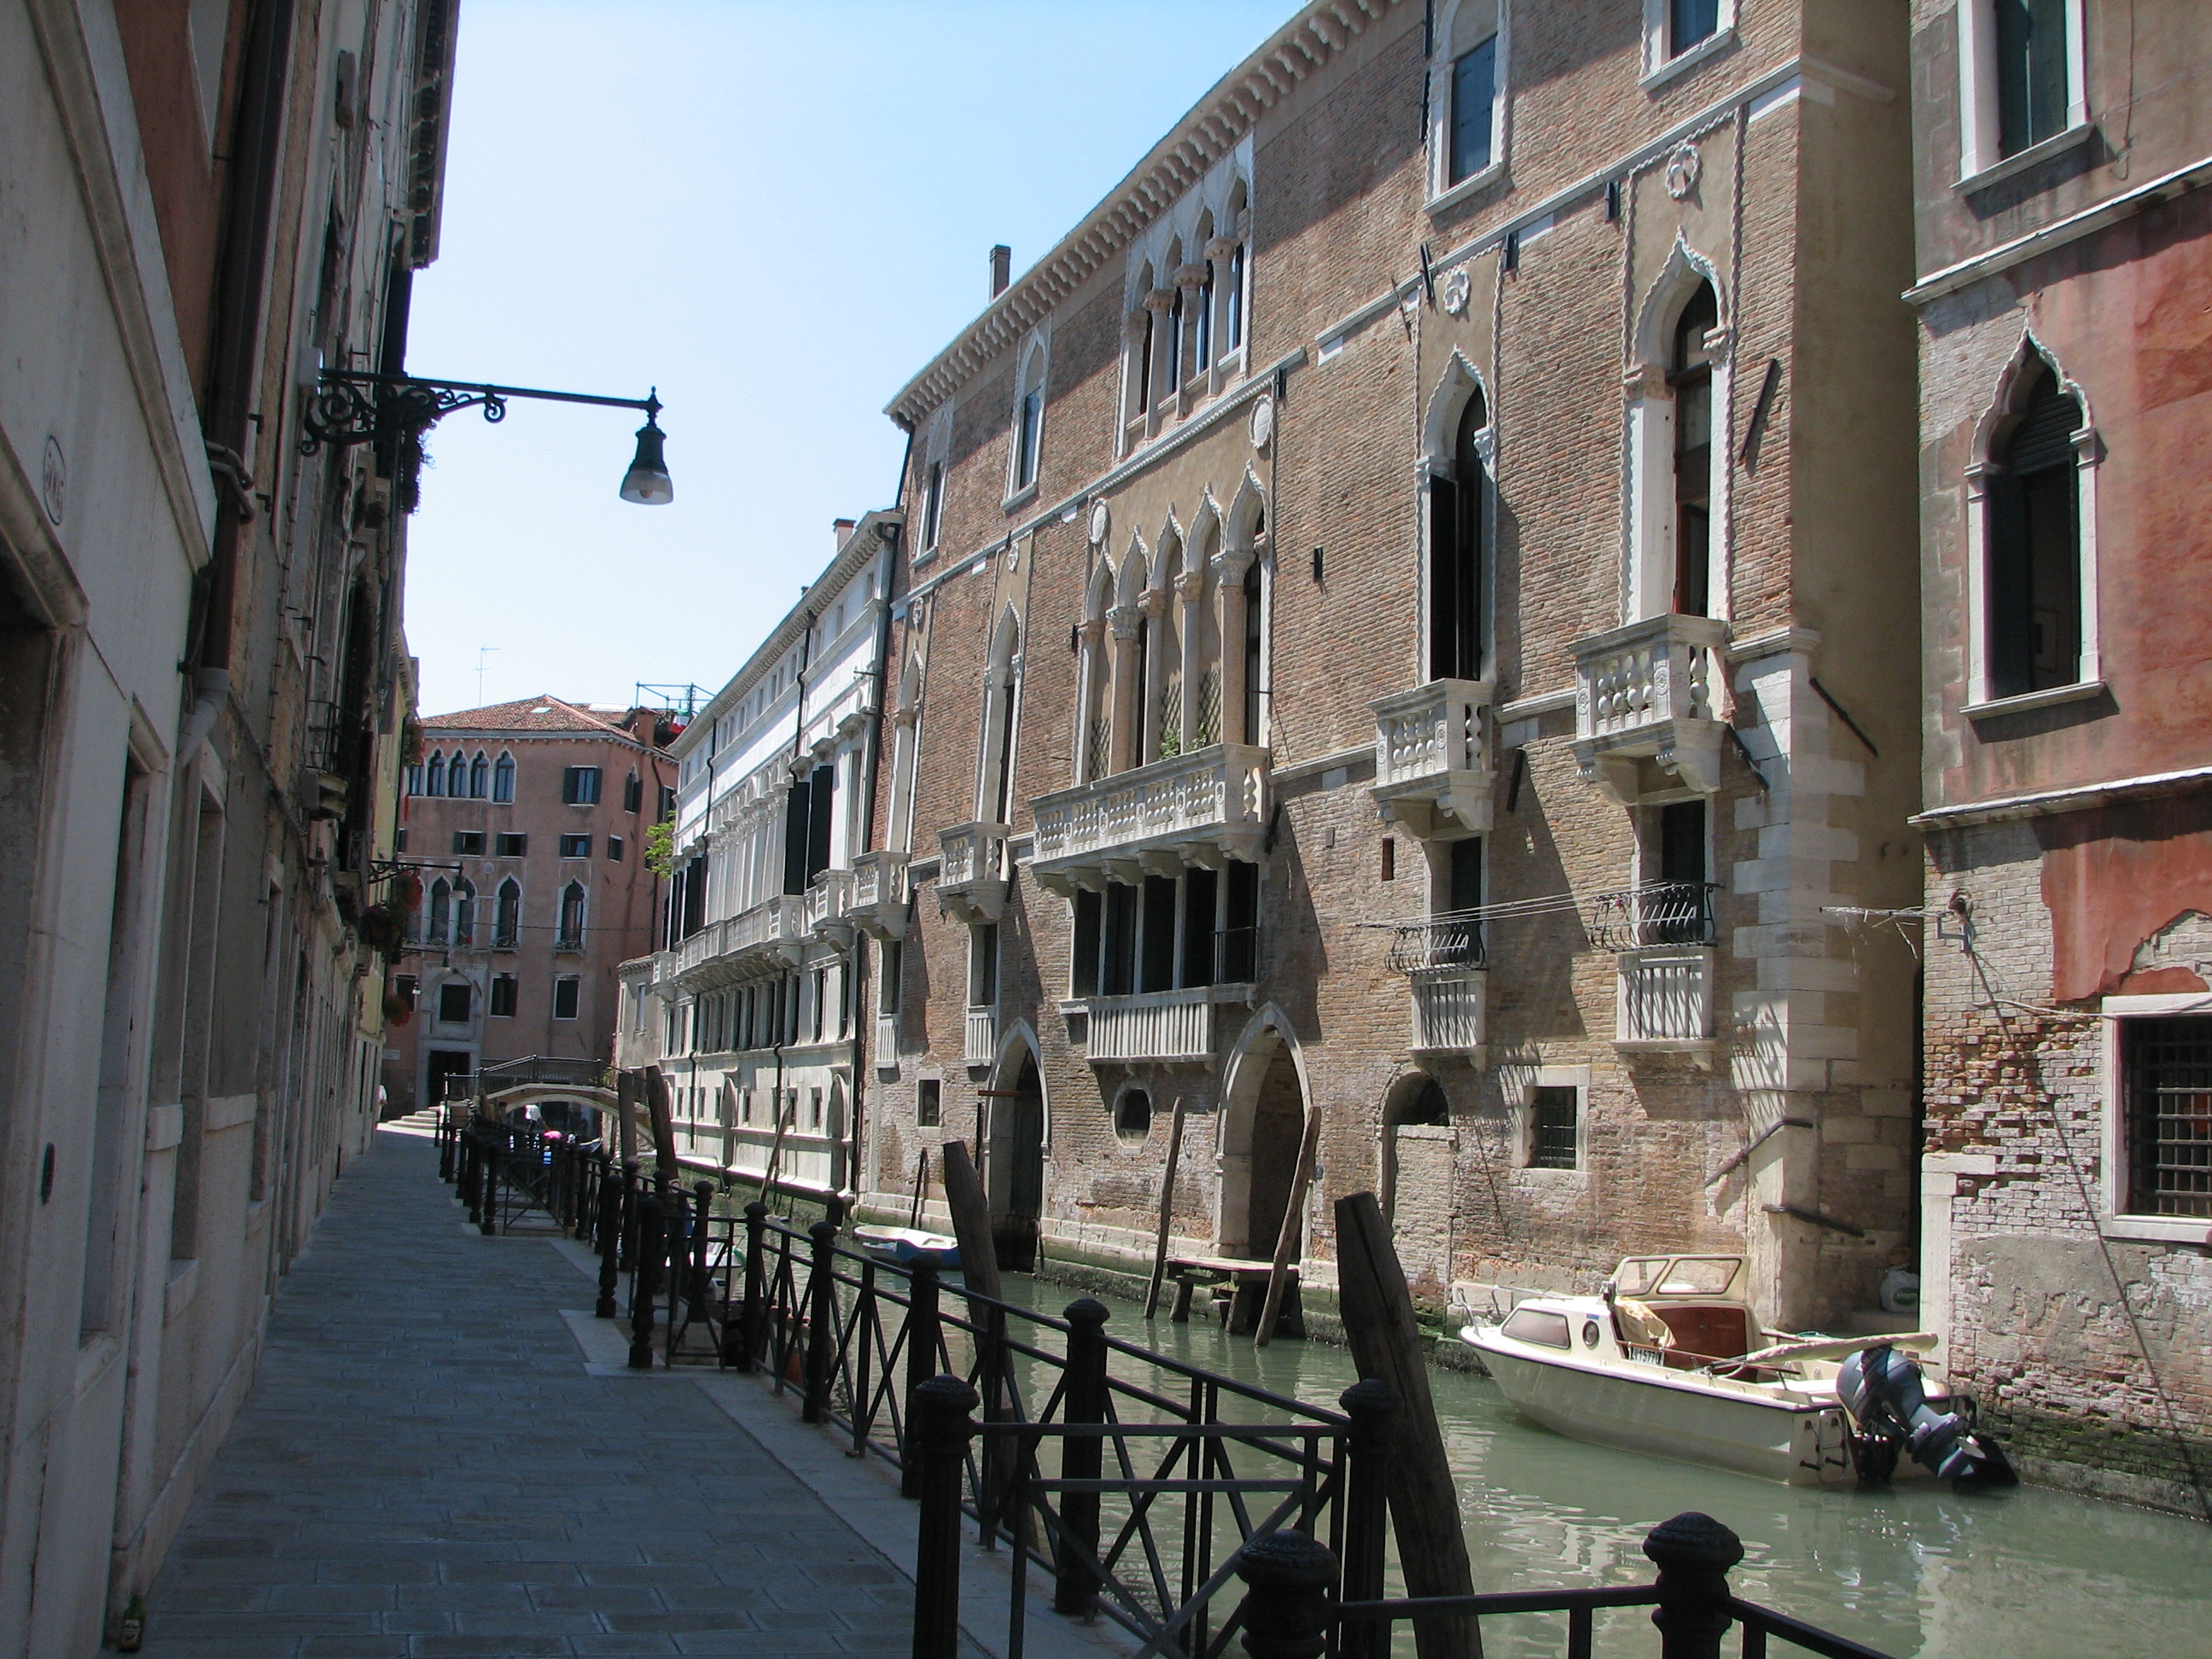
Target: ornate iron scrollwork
353,408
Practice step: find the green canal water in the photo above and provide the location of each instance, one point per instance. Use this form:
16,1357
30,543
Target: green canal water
1920,1572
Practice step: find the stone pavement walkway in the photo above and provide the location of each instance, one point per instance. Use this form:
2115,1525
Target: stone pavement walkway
424,1468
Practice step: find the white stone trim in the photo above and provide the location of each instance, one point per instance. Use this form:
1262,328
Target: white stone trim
1979,161
2080,798
1518,1085
1455,20
2020,161
1661,64
2111,1221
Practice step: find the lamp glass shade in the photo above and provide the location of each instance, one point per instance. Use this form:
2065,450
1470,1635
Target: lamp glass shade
647,482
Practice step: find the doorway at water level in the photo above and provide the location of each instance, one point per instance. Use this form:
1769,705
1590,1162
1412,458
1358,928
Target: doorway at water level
1017,1161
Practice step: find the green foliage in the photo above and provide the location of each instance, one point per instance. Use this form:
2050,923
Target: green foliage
660,849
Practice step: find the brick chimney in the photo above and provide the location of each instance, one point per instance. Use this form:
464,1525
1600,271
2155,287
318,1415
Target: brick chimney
841,531
1002,269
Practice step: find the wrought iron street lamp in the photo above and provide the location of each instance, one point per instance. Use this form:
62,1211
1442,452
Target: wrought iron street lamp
354,406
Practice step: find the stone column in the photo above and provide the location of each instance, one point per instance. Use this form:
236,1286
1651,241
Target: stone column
1153,602
1190,589
1125,692
1231,567
1092,633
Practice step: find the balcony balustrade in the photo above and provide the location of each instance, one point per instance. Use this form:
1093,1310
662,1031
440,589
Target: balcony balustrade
1665,1003
1157,1025
738,947
1444,960
886,1052
1644,725
1432,765
829,906
878,906
982,1047
1200,809
971,881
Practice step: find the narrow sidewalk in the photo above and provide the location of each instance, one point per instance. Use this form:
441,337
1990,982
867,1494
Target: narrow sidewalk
425,1468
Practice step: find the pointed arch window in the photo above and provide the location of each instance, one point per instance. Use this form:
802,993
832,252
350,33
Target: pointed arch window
479,777
570,934
2036,519
1690,373
441,911
1028,436
1456,551
1001,711
433,774
506,916
502,779
464,913
1255,634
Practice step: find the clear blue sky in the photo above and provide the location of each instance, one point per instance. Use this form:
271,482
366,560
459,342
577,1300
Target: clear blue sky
776,213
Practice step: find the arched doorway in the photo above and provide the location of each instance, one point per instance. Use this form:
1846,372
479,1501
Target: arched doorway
1418,1149
1263,1123
1015,1159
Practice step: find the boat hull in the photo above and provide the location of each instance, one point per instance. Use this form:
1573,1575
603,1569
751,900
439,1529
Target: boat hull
907,1245
1798,1442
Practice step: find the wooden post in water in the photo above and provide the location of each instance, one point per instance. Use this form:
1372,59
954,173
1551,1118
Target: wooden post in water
1167,1212
1286,1237
971,1220
920,1186
775,1151
1378,1323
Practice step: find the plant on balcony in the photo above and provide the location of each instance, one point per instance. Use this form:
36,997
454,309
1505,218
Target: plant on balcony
660,849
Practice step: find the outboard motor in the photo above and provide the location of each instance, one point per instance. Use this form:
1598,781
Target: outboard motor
1882,1390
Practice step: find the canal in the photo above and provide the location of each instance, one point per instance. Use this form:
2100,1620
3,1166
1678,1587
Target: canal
1921,1572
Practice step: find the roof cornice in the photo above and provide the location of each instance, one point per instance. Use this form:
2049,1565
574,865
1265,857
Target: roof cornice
1214,126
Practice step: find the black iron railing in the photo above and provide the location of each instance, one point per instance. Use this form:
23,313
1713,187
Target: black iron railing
1437,944
1657,913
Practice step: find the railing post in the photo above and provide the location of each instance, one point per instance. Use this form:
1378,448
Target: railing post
1075,1586
629,1186
821,1320
588,1196
940,1428
641,1285
1693,1553
739,1346
1287,1577
487,1178
699,1291
923,1341
1372,1406
609,1242
445,1143
467,1193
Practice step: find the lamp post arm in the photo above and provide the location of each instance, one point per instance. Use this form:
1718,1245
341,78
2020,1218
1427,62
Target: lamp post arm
354,405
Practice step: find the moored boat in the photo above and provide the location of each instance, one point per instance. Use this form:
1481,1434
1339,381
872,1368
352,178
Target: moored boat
1669,1360
907,1245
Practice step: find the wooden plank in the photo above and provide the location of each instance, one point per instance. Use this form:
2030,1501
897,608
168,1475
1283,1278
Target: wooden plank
784,1120
663,1123
1378,1321
920,1186
1286,1237
1167,1210
971,1219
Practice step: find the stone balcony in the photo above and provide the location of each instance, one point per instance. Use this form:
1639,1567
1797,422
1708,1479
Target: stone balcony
1160,1025
1433,765
1448,973
1200,809
1644,724
769,935
1663,937
880,894
830,906
971,881
980,1044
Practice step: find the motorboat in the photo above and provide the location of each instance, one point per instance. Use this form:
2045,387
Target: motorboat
1669,1359
907,1245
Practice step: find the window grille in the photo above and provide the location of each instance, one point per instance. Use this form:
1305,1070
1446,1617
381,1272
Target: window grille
2168,1070
1552,1115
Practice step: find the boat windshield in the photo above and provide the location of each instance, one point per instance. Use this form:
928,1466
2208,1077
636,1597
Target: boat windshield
1644,1276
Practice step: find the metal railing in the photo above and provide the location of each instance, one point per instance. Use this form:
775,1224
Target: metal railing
1299,1604
1438,943
1656,913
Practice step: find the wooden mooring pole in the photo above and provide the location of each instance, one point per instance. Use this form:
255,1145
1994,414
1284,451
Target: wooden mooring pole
1378,1323
1167,1212
1293,1228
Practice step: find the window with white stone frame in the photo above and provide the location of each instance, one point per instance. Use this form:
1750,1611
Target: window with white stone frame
1549,1106
2156,1151
2023,85
1467,103
1678,401
1025,437
1680,33
1188,302
935,453
2031,542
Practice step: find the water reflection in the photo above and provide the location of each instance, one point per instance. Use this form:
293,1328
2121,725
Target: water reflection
1920,1572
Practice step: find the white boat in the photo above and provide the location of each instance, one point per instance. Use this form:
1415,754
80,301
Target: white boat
1670,1361
905,1245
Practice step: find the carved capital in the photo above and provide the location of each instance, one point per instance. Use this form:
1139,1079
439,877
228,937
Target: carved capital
1220,249
1190,585
1232,564
1645,380
1153,602
1125,619
1190,277
1159,299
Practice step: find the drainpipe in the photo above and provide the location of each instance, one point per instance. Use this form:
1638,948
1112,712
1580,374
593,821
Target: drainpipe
798,748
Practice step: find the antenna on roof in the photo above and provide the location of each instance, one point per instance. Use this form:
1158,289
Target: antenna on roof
482,651
682,701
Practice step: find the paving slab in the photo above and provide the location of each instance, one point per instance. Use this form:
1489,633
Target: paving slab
426,1464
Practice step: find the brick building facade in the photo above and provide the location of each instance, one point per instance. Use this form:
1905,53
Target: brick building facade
1397,633
2065,269
525,826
